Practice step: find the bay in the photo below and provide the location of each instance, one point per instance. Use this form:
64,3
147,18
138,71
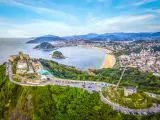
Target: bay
79,57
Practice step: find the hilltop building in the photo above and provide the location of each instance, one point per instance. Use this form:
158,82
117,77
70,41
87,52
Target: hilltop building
22,66
35,65
22,56
22,63
12,58
129,91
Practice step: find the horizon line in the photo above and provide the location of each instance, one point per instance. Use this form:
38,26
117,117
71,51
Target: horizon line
77,34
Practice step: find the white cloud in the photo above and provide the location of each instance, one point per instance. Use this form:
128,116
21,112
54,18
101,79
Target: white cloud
101,1
122,24
143,2
128,19
158,11
117,24
31,5
38,28
151,10
154,28
1,21
139,18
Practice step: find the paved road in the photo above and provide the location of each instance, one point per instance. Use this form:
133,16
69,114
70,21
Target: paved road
9,74
152,95
58,81
89,86
129,111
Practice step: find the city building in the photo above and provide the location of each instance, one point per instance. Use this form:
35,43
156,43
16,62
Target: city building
22,56
12,58
147,61
129,91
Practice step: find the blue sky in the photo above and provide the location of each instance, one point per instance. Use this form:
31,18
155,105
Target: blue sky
28,18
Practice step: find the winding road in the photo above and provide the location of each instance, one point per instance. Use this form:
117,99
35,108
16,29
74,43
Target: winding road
89,86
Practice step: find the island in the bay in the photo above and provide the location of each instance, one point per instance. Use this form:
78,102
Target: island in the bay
58,55
45,46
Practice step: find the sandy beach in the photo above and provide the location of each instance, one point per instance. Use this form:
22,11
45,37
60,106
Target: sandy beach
109,61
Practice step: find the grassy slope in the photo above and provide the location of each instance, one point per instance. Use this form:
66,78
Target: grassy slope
140,100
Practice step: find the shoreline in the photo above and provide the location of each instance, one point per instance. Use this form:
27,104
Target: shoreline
104,49
109,59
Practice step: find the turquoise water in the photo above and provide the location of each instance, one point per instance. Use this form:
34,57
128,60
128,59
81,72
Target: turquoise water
79,57
44,72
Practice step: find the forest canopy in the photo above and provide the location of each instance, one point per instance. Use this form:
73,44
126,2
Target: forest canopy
55,103
132,77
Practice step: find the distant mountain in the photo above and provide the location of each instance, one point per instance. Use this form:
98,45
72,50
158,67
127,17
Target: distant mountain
156,34
128,36
79,37
101,37
44,46
106,37
46,38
